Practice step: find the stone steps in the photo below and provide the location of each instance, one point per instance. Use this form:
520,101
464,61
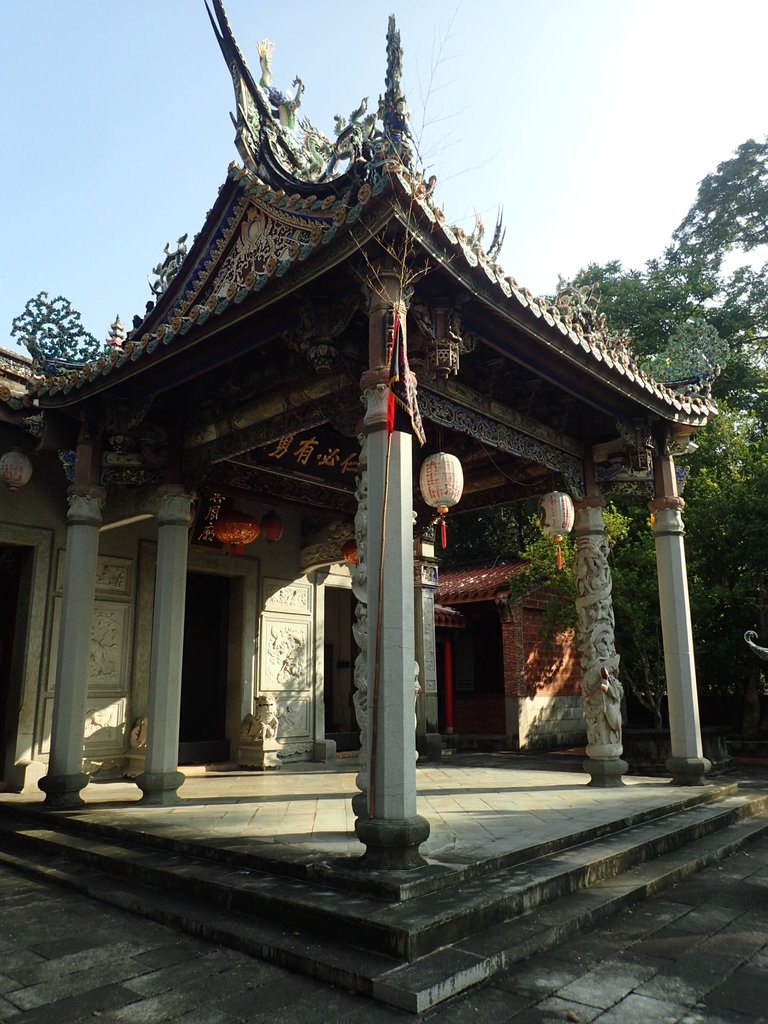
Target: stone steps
411,949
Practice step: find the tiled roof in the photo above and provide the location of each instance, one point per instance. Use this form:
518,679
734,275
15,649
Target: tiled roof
449,618
562,336
478,584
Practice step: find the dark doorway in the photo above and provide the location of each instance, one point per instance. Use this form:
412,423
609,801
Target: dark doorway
202,731
11,559
338,670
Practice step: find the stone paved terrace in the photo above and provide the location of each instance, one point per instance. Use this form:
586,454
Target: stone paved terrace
479,806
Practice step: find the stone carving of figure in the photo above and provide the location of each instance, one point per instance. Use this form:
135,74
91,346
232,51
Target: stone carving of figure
266,717
138,736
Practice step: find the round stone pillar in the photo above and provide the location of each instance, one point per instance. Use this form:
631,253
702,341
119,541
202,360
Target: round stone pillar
161,778
65,776
687,765
600,687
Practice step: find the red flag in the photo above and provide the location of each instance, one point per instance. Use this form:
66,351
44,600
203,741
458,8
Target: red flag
402,408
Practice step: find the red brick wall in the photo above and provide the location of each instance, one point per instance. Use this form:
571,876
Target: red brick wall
532,664
479,713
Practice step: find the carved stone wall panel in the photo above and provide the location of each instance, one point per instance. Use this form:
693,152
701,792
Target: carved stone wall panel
429,682
114,576
286,656
108,652
293,716
287,597
105,726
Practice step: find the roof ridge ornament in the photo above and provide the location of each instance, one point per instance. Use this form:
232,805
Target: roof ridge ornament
286,151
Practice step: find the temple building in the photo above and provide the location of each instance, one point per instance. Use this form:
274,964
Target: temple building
224,551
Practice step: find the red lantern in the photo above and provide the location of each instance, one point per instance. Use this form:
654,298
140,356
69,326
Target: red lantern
236,529
349,552
441,481
15,469
556,514
272,525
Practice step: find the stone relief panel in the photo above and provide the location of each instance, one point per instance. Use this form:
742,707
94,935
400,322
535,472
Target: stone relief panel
114,576
107,654
430,655
283,596
285,654
293,717
104,729
109,646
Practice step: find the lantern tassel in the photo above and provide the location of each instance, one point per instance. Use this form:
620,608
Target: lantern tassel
443,533
559,559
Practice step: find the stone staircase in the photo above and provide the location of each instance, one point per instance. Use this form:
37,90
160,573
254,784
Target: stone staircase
410,939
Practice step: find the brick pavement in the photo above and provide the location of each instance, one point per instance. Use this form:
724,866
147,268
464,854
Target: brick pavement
694,954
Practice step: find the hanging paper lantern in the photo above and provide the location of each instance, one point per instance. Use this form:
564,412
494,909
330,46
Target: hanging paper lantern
556,514
441,481
234,530
272,526
349,552
15,469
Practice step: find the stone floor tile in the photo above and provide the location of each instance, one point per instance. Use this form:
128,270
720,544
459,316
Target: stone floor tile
605,985
636,1009
555,1011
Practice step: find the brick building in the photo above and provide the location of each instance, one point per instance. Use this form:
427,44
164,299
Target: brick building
509,681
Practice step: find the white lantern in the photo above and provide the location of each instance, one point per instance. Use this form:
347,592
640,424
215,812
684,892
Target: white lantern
441,481
556,512
15,469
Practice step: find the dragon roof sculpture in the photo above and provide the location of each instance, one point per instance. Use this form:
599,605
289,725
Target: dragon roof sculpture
285,150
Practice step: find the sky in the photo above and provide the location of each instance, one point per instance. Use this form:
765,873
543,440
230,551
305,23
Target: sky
590,122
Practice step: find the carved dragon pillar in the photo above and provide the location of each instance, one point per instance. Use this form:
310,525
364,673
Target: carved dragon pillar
600,686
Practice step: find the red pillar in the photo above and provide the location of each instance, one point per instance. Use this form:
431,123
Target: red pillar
448,684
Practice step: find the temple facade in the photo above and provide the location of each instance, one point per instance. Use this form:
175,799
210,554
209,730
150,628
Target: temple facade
223,552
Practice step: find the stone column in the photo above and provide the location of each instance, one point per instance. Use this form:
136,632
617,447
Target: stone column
428,739
360,629
600,686
161,778
687,765
393,831
65,776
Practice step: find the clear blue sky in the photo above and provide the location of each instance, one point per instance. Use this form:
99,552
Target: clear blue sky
590,121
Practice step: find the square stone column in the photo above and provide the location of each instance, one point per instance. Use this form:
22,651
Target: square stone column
65,776
161,778
392,831
687,765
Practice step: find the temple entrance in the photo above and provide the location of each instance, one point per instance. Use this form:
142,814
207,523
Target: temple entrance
202,723
338,670
11,559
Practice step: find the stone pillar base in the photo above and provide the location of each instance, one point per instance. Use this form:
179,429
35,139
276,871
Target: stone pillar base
430,746
392,844
159,788
360,805
324,750
134,765
605,771
259,754
689,771
62,792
